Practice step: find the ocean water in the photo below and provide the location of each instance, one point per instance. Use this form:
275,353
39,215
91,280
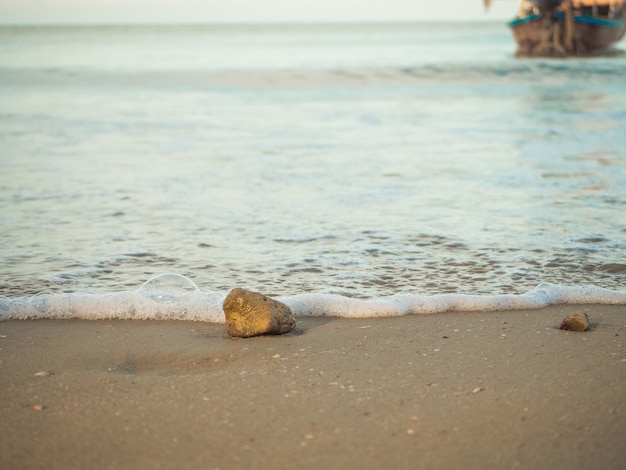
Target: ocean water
372,169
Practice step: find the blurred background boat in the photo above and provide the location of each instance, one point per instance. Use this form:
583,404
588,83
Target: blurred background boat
561,28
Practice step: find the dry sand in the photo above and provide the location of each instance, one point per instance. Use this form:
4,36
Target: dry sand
455,390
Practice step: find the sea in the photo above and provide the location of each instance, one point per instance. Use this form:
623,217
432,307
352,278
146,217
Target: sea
346,169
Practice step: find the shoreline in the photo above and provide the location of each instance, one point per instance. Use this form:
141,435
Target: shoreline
447,390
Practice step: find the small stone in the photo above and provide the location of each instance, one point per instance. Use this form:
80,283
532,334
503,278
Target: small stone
575,322
44,373
251,314
38,407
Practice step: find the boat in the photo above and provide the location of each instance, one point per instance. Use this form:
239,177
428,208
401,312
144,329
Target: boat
563,28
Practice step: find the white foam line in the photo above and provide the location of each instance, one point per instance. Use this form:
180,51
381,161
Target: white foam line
121,306
405,304
207,306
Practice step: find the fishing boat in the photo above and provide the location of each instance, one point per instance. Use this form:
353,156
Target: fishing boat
561,28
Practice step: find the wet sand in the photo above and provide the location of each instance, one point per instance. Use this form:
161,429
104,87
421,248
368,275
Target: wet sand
454,390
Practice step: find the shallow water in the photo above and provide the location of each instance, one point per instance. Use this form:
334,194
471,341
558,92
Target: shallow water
362,160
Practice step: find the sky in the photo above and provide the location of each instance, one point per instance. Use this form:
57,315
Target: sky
244,11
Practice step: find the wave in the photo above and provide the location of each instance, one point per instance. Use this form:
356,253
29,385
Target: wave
505,72
175,297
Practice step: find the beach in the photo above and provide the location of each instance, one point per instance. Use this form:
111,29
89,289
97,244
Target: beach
388,170
497,390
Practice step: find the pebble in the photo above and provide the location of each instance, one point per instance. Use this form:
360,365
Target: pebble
44,373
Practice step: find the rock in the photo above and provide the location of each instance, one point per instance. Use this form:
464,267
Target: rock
575,322
251,314
44,373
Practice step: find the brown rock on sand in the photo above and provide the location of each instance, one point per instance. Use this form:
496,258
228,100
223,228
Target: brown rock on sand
575,322
251,314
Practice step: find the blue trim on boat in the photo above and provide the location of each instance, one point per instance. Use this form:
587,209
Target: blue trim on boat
526,19
593,21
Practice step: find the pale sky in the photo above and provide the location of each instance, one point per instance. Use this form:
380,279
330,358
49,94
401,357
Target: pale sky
241,11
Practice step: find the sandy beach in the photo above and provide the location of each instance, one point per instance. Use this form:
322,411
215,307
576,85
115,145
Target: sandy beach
454,390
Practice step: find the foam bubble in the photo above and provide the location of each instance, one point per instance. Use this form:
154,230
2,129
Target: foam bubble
41,302
5,305
168,288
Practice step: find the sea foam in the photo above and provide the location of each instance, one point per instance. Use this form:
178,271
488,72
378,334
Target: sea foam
175,297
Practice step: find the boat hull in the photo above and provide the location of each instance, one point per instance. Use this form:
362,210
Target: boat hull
563,34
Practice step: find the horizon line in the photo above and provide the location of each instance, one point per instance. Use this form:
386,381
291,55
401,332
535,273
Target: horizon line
250,22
